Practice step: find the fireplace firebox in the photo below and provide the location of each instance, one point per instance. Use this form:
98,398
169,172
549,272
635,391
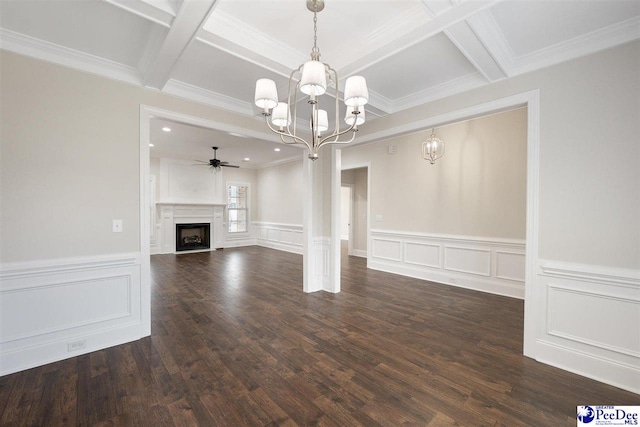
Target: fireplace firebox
191,237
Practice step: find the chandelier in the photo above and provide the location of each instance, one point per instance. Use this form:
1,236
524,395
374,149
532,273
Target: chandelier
432,148
312,79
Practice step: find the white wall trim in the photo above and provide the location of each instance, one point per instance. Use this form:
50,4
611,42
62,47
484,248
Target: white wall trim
590,273
283,237
464,261
51,52
110,313
579,328
619,374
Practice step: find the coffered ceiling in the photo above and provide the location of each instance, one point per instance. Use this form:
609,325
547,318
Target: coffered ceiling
410,51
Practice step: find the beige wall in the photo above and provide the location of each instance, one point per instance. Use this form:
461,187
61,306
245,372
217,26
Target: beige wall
477,189
279,193
589,153
70,159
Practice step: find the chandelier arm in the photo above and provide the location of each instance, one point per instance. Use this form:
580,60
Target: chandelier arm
296,139
323,143
337,97
337,134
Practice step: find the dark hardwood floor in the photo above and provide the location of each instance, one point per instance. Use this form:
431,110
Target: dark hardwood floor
235,342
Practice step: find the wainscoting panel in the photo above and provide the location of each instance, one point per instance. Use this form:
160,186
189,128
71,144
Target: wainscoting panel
510,265
591,322
284,237
59,309
467,260
489,265
387,249
426,255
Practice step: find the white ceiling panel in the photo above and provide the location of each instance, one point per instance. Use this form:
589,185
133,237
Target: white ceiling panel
430,63
529,26
410,51
90,26
189,142
218,71
342,23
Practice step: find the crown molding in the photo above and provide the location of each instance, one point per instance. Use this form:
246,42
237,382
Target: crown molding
448,88
280,161
208,97
604,38
50,52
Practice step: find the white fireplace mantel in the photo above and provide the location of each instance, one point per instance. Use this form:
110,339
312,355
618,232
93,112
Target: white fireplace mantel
172,213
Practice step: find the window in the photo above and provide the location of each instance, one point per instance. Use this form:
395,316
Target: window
238,208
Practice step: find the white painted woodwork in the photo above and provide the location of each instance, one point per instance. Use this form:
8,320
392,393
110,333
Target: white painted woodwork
175,213
98,300
580,329
465,261
208,51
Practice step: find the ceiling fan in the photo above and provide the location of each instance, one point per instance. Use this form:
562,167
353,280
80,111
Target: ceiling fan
215,163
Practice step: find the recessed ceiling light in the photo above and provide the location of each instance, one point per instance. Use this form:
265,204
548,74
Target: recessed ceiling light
246,159
151,145
276,149
166,129
237,134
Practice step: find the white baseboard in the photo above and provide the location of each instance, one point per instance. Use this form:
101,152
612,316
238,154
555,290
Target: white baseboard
42,314
238,243
451,279
359,253
624,376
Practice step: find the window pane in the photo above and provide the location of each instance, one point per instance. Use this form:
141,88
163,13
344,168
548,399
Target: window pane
237,204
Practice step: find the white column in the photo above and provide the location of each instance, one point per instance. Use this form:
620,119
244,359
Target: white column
321,222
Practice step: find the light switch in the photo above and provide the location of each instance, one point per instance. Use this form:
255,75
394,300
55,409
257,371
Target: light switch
117,226
378,218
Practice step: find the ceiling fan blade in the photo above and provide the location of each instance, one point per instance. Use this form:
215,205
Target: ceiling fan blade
224,163
230,166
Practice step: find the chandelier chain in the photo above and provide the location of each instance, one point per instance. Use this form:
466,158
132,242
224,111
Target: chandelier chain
315,52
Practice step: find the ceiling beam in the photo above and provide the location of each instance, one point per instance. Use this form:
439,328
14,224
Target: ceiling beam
449,17
476,52
190,18
145,10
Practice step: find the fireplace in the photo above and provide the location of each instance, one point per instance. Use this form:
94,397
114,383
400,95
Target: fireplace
191,237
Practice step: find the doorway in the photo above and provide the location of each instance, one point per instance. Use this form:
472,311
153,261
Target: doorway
355,209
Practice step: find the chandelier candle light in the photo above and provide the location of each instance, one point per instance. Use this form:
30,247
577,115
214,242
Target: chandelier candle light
432,148
311,79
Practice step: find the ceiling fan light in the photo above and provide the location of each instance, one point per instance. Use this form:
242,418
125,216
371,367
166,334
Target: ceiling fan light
266,93
280,115
314,78
350,117
355,91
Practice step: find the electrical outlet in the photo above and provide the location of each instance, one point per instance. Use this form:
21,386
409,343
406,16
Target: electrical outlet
452,280
117,226
76,345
